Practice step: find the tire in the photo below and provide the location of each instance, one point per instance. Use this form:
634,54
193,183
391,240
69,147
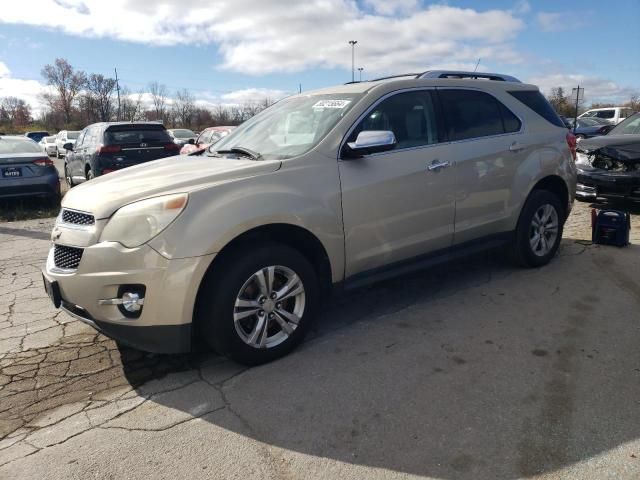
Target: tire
236,330
89,175
68,178
545,206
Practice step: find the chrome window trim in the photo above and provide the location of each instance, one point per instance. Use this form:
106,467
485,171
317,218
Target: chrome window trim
449,142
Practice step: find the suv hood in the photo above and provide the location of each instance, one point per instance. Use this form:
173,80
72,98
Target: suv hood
104,195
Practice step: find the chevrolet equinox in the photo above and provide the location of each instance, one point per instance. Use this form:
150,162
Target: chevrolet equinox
240,245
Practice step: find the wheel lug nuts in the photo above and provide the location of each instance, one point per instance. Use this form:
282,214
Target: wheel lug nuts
272,316
274,296
278,305
261,313
261,300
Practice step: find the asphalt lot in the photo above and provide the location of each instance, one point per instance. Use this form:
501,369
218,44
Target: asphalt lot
471,370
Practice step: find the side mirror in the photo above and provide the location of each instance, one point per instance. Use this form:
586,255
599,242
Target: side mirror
370,141
68,146
191,141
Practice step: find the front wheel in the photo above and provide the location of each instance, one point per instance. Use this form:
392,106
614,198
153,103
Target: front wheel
89,175
257,305
68,177
539,229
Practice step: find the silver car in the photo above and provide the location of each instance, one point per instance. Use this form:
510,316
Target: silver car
240,246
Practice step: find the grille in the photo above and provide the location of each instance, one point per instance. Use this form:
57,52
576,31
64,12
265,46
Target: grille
77,218
67,257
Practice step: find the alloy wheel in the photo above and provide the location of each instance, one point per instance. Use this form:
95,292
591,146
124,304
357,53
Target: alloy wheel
543,230
269,307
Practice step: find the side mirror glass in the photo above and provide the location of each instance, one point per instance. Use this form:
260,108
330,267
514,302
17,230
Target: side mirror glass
68,146
371,141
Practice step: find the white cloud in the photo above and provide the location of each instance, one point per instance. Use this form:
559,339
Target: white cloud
596,89
284,36
252,95
4,70
560,21
28,90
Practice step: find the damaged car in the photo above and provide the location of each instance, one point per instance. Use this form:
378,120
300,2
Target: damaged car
609,166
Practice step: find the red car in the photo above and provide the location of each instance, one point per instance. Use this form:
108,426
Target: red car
207,137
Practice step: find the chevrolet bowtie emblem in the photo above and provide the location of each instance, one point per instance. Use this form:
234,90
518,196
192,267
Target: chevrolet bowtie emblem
56,234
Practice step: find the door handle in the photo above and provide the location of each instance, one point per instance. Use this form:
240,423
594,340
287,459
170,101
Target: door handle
436,165
517,147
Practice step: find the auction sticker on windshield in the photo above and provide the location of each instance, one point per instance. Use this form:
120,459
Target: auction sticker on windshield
331,104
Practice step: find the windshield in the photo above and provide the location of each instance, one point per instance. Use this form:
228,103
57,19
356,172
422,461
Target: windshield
18,145
183,133
630,126
72,135
290,127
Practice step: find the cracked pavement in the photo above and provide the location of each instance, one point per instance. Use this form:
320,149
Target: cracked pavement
470,370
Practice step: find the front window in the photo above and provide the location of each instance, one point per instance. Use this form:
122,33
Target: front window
290,127
630,126
72,135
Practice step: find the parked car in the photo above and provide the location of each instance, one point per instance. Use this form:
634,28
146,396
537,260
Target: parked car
26,170
62,138
106,147
613,115
48,145
240,246
591,127
36,136
207,137
181,136
609,166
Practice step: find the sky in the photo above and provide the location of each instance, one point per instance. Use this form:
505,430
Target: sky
235,51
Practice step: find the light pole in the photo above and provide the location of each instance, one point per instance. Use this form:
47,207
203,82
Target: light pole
360,70
353,53
579,96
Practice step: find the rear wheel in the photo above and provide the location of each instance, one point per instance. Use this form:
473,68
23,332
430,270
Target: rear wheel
67,176
539,229
89,175
257,306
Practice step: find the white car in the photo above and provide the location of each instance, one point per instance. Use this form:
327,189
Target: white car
65,136
613,114
48,144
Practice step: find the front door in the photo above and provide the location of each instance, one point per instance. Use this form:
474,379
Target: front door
398,204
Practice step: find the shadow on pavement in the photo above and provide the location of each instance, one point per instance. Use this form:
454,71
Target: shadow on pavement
470,370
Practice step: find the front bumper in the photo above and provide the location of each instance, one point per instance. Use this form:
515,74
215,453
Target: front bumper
594,184
171,286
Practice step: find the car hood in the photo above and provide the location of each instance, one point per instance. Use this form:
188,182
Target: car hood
620,147
104,195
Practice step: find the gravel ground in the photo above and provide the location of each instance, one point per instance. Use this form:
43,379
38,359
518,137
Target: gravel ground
470,370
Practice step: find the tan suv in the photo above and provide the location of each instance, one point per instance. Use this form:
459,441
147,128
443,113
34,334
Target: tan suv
240,246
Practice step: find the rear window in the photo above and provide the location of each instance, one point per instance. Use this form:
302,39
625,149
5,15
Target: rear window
18,145
473,114
116,136
536,102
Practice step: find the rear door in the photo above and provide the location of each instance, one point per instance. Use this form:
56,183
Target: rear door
126,145
487,147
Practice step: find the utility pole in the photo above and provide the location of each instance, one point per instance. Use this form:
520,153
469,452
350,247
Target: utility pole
360,70
299,88
353,57
579,96
118,90
477,63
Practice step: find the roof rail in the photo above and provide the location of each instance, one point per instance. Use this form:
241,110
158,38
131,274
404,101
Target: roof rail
462,74
413,75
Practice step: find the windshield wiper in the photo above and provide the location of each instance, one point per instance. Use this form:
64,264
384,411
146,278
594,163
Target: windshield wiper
243,151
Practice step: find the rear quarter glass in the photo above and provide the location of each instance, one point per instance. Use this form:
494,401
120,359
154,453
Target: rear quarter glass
536,102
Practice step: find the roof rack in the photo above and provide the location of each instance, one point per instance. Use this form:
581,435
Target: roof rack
462,74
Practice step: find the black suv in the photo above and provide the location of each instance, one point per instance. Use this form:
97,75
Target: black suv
104,147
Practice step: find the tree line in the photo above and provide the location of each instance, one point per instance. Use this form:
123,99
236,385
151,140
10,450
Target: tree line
76,99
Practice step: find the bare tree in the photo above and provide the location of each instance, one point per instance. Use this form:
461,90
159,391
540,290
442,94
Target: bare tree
100,96
67,83
15,111
183,107
130,106
159,94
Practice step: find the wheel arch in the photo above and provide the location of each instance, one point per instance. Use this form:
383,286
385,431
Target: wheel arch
556,185
294,236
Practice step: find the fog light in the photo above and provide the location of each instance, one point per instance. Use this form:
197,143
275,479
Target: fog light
132,302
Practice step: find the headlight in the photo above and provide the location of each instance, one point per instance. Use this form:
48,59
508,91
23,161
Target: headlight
138,222
582,159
